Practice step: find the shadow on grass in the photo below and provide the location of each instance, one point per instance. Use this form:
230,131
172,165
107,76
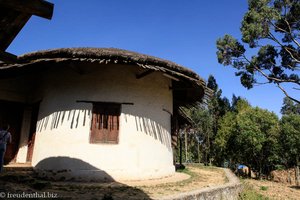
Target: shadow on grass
28,182
295,187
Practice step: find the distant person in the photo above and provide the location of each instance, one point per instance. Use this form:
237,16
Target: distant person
5,137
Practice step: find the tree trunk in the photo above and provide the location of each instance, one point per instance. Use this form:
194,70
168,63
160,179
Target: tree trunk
198,148
249,172
186,145
260,171
297,178
207,150
180,150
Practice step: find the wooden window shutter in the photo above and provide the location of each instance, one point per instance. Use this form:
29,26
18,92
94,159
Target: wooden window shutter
105,123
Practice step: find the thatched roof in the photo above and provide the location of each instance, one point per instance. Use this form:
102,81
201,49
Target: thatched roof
105,56
186,79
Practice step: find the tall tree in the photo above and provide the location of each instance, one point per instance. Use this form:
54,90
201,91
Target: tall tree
217,106
271,27
290,140
250,136
227,132
204,120
200,133
289,107
238,103
224,142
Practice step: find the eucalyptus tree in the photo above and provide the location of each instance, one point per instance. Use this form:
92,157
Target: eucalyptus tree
269,51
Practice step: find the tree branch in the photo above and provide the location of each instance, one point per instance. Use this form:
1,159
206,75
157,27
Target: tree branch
277,80
290,33
272,37
286,94
261,83
278,28
285,31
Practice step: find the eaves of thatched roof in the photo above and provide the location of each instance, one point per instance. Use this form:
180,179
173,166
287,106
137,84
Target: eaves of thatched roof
39,59
103,56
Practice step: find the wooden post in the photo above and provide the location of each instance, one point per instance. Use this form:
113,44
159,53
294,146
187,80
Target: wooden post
186,145
297,178
180,150
198,148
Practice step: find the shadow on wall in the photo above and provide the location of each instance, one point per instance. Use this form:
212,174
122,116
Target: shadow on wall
81,116
151,124
72,118
77,115
153,129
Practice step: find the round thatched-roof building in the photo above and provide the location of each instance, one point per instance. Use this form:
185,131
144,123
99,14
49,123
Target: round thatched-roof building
95,113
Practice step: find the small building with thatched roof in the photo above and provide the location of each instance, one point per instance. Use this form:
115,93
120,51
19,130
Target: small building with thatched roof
95,113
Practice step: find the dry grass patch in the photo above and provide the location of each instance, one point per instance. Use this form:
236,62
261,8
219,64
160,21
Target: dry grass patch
200,177
194,177
273,190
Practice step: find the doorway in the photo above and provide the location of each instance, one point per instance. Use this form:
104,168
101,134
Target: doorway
12,113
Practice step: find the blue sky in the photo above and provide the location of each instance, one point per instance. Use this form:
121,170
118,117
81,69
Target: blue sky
184,32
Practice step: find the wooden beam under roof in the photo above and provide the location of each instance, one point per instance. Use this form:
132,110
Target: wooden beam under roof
14,14
143,74
10,25
8,57
39,8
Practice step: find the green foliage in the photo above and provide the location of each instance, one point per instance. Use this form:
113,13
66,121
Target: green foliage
201,120
199,133
223,141
239,133
204,124
241,105
289,107
218,106
249,135
229,48
271,27
225,138
212,83
256,22
264,188
290,138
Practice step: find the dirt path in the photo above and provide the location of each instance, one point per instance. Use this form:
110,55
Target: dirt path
171,179
192,178
200,177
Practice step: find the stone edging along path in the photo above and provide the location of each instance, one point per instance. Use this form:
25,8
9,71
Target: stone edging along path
229,191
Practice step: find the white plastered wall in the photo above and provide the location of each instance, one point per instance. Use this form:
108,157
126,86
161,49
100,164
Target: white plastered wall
62,141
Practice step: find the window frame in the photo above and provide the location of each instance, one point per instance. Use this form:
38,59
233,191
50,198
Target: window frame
105,123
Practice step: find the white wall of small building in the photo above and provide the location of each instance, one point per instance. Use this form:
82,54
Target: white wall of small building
62,139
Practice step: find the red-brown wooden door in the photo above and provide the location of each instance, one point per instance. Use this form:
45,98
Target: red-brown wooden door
31,138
